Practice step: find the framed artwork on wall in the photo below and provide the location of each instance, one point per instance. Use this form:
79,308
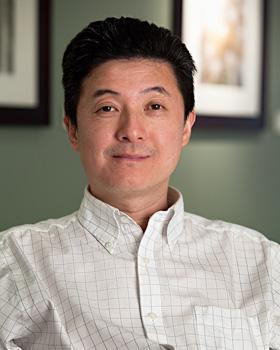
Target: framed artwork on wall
24,66
226,40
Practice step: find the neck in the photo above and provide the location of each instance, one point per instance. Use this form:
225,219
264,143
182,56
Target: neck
140,207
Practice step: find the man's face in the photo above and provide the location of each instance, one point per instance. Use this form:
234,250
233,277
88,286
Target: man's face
131,127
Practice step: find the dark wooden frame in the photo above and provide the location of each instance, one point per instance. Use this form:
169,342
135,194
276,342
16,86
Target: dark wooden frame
241,122
38,115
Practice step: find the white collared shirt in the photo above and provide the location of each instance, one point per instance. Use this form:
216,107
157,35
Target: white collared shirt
93,280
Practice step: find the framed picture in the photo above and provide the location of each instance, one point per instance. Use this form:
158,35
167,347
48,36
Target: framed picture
226,40
24,66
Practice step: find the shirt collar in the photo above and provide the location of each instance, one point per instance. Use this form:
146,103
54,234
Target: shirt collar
103,221
99,219
176,224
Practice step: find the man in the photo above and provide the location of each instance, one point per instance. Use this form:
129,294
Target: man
130,269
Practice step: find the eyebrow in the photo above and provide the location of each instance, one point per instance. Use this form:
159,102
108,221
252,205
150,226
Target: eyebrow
159,89
101,92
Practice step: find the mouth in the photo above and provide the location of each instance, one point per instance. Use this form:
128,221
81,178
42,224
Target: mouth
131,157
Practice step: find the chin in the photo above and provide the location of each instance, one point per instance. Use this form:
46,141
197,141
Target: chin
129,186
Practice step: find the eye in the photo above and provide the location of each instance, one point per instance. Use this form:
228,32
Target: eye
106,109
155,106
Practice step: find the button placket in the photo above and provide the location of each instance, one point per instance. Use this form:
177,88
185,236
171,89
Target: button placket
149,287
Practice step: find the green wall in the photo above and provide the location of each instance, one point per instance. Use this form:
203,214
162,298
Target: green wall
233,176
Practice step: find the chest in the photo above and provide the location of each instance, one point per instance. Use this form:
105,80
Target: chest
185,297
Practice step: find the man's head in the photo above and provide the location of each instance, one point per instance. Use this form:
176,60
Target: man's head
123,38
128,103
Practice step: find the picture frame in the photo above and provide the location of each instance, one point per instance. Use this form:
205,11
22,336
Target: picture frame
24,62
227,41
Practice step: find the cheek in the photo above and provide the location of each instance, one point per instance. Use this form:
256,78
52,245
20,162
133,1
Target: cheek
97,134
92,146
171,142
170,150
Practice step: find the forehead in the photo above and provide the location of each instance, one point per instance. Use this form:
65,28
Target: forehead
134,72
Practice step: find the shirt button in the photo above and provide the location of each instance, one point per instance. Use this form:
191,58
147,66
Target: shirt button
108,245
124,219
146,261
152,315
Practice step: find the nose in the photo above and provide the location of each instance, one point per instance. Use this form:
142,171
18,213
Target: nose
131,128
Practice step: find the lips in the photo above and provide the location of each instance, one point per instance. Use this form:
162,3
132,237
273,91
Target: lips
131,153
128,156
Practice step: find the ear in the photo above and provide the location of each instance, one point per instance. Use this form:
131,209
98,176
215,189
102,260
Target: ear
188,128
72,133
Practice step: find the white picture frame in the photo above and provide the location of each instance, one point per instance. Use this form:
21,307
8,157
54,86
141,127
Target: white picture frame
226,40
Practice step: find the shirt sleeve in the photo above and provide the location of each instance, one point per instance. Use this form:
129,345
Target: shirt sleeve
275,274
11,311
28,319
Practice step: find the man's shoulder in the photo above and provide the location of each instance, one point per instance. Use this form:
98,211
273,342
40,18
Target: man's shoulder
220,228
42,227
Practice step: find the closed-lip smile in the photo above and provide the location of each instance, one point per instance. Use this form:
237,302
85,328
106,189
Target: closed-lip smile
131,156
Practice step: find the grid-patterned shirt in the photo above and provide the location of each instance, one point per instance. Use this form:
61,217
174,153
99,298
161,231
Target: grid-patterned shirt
94,280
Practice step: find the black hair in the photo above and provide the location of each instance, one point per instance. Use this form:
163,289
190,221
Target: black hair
123,38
